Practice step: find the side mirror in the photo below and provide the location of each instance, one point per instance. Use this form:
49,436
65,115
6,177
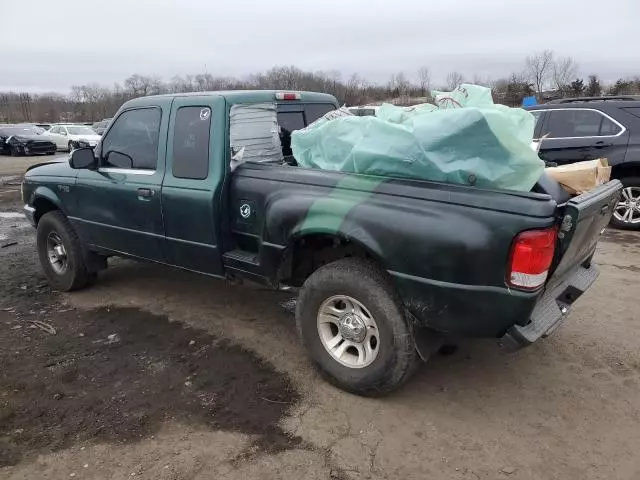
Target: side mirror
82,158
118,160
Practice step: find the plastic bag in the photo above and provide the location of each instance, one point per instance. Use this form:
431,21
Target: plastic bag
467,140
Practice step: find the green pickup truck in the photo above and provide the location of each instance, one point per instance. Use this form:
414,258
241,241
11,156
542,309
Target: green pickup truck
386,267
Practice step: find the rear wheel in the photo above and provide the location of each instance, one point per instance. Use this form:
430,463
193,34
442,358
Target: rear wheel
60,253
352,323
627,212
15,151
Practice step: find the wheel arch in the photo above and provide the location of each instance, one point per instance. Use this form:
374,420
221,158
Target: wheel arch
45,200
308,251
627,169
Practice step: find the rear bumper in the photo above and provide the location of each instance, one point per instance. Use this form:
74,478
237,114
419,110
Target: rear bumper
551,309
465,311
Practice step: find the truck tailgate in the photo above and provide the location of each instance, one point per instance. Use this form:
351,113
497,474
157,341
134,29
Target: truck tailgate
583,220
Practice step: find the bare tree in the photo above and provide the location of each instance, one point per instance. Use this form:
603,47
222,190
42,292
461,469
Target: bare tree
454,79
539,67
563,71
352,90
483,81
402,84
424,79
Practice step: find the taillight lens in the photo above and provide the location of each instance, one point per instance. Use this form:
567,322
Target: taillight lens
531,257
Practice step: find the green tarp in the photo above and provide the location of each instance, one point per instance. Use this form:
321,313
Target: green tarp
464,138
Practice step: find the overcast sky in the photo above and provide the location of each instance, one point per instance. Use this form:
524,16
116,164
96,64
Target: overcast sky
51,45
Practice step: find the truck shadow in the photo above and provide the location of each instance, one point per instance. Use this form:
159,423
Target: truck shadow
253,315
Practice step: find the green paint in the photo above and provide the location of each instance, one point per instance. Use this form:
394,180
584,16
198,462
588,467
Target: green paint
327,214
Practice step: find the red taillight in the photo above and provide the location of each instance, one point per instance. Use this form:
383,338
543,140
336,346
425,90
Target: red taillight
287,96
531,257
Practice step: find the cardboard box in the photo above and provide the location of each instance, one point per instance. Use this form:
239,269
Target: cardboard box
578,178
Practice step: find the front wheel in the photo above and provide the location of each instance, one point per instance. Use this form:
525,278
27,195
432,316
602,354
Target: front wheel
60,253
627,212
71,147
351,321
15,151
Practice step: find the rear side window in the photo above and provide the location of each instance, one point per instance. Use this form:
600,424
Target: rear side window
191,138
579,123
608,127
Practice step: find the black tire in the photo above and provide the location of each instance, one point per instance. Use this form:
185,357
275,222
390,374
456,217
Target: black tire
617,223
51,153
75,275
15,152
70,147
365,282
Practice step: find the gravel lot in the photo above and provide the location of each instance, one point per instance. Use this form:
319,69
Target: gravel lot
161,374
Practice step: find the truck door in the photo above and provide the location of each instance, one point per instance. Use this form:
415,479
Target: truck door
118,204
577,134
192,188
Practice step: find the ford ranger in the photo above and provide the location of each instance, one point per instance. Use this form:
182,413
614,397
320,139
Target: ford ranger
385,267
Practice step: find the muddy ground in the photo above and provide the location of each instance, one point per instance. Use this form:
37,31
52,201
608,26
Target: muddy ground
161,374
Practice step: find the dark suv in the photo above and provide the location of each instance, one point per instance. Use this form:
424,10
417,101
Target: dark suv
577,129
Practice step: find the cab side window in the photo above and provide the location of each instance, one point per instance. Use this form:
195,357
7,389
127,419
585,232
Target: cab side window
191,142
135,135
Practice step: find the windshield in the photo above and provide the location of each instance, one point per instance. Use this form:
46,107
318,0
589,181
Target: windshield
26,130
81,131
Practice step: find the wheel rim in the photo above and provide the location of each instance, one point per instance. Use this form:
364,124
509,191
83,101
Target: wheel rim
70,146
348,331
628,208
57,254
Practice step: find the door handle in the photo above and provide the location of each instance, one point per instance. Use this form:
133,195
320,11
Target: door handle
602,144
146,192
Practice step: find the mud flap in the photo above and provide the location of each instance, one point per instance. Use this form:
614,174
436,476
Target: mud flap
427,341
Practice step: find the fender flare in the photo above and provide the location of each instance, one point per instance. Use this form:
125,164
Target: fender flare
47,194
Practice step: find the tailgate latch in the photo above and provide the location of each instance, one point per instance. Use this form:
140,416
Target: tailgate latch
567,224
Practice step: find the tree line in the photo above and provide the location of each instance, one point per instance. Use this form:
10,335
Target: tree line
544,74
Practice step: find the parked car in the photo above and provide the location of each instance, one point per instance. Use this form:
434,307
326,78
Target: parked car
364,111
576,129
24,140
44,126
386,267
68,137
101,126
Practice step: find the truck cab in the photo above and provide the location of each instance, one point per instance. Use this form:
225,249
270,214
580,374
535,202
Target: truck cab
157,189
